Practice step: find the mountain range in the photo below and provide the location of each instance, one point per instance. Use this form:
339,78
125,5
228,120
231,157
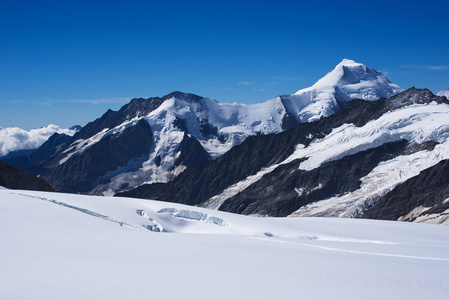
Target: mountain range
154,140
339,166
315,165
338,148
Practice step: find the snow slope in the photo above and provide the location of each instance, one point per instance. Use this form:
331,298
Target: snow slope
416,123
348,80
444,93
65,246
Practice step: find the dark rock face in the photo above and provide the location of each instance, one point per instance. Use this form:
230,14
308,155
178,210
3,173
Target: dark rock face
428,189
277,193
13,178
136,108
209,178
18,159
79,173
191,152
49,150
183,96
18,153
287,188
121,151
288,121
207,129
43,155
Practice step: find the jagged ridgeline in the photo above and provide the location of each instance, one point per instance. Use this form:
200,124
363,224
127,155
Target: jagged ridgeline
338,166
156,139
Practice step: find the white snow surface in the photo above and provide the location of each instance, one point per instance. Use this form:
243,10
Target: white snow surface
444,93
348,80
416,123
66,246
15,138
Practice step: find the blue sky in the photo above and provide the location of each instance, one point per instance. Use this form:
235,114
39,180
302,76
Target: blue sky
67,62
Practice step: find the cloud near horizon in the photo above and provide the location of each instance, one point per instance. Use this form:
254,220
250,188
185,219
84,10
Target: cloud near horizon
15,138
280,78
50,102
246,83
101,100
426,67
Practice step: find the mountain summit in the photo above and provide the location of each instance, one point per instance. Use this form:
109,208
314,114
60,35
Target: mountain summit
348,80
444,93
349,74
155,139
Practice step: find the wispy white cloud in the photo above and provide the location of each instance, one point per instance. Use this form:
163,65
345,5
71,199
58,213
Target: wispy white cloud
16,101
100,101
246,83
217,89
281,78
426,67
50,102
261,89
385,72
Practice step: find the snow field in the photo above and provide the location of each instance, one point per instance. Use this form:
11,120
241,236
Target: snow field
61,246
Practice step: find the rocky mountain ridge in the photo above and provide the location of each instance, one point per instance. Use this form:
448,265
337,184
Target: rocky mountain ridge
156,139
339,166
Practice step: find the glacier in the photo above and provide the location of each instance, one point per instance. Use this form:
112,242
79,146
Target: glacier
66,246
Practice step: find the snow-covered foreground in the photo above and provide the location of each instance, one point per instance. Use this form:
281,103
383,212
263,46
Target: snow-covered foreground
61,246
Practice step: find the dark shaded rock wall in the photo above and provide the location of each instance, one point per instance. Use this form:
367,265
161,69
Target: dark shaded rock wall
13,178
428,189
80,172
197,185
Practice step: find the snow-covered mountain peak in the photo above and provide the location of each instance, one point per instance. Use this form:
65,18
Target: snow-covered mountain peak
348,80
346,72
182,129
444,93
346,61
349,72
188,97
